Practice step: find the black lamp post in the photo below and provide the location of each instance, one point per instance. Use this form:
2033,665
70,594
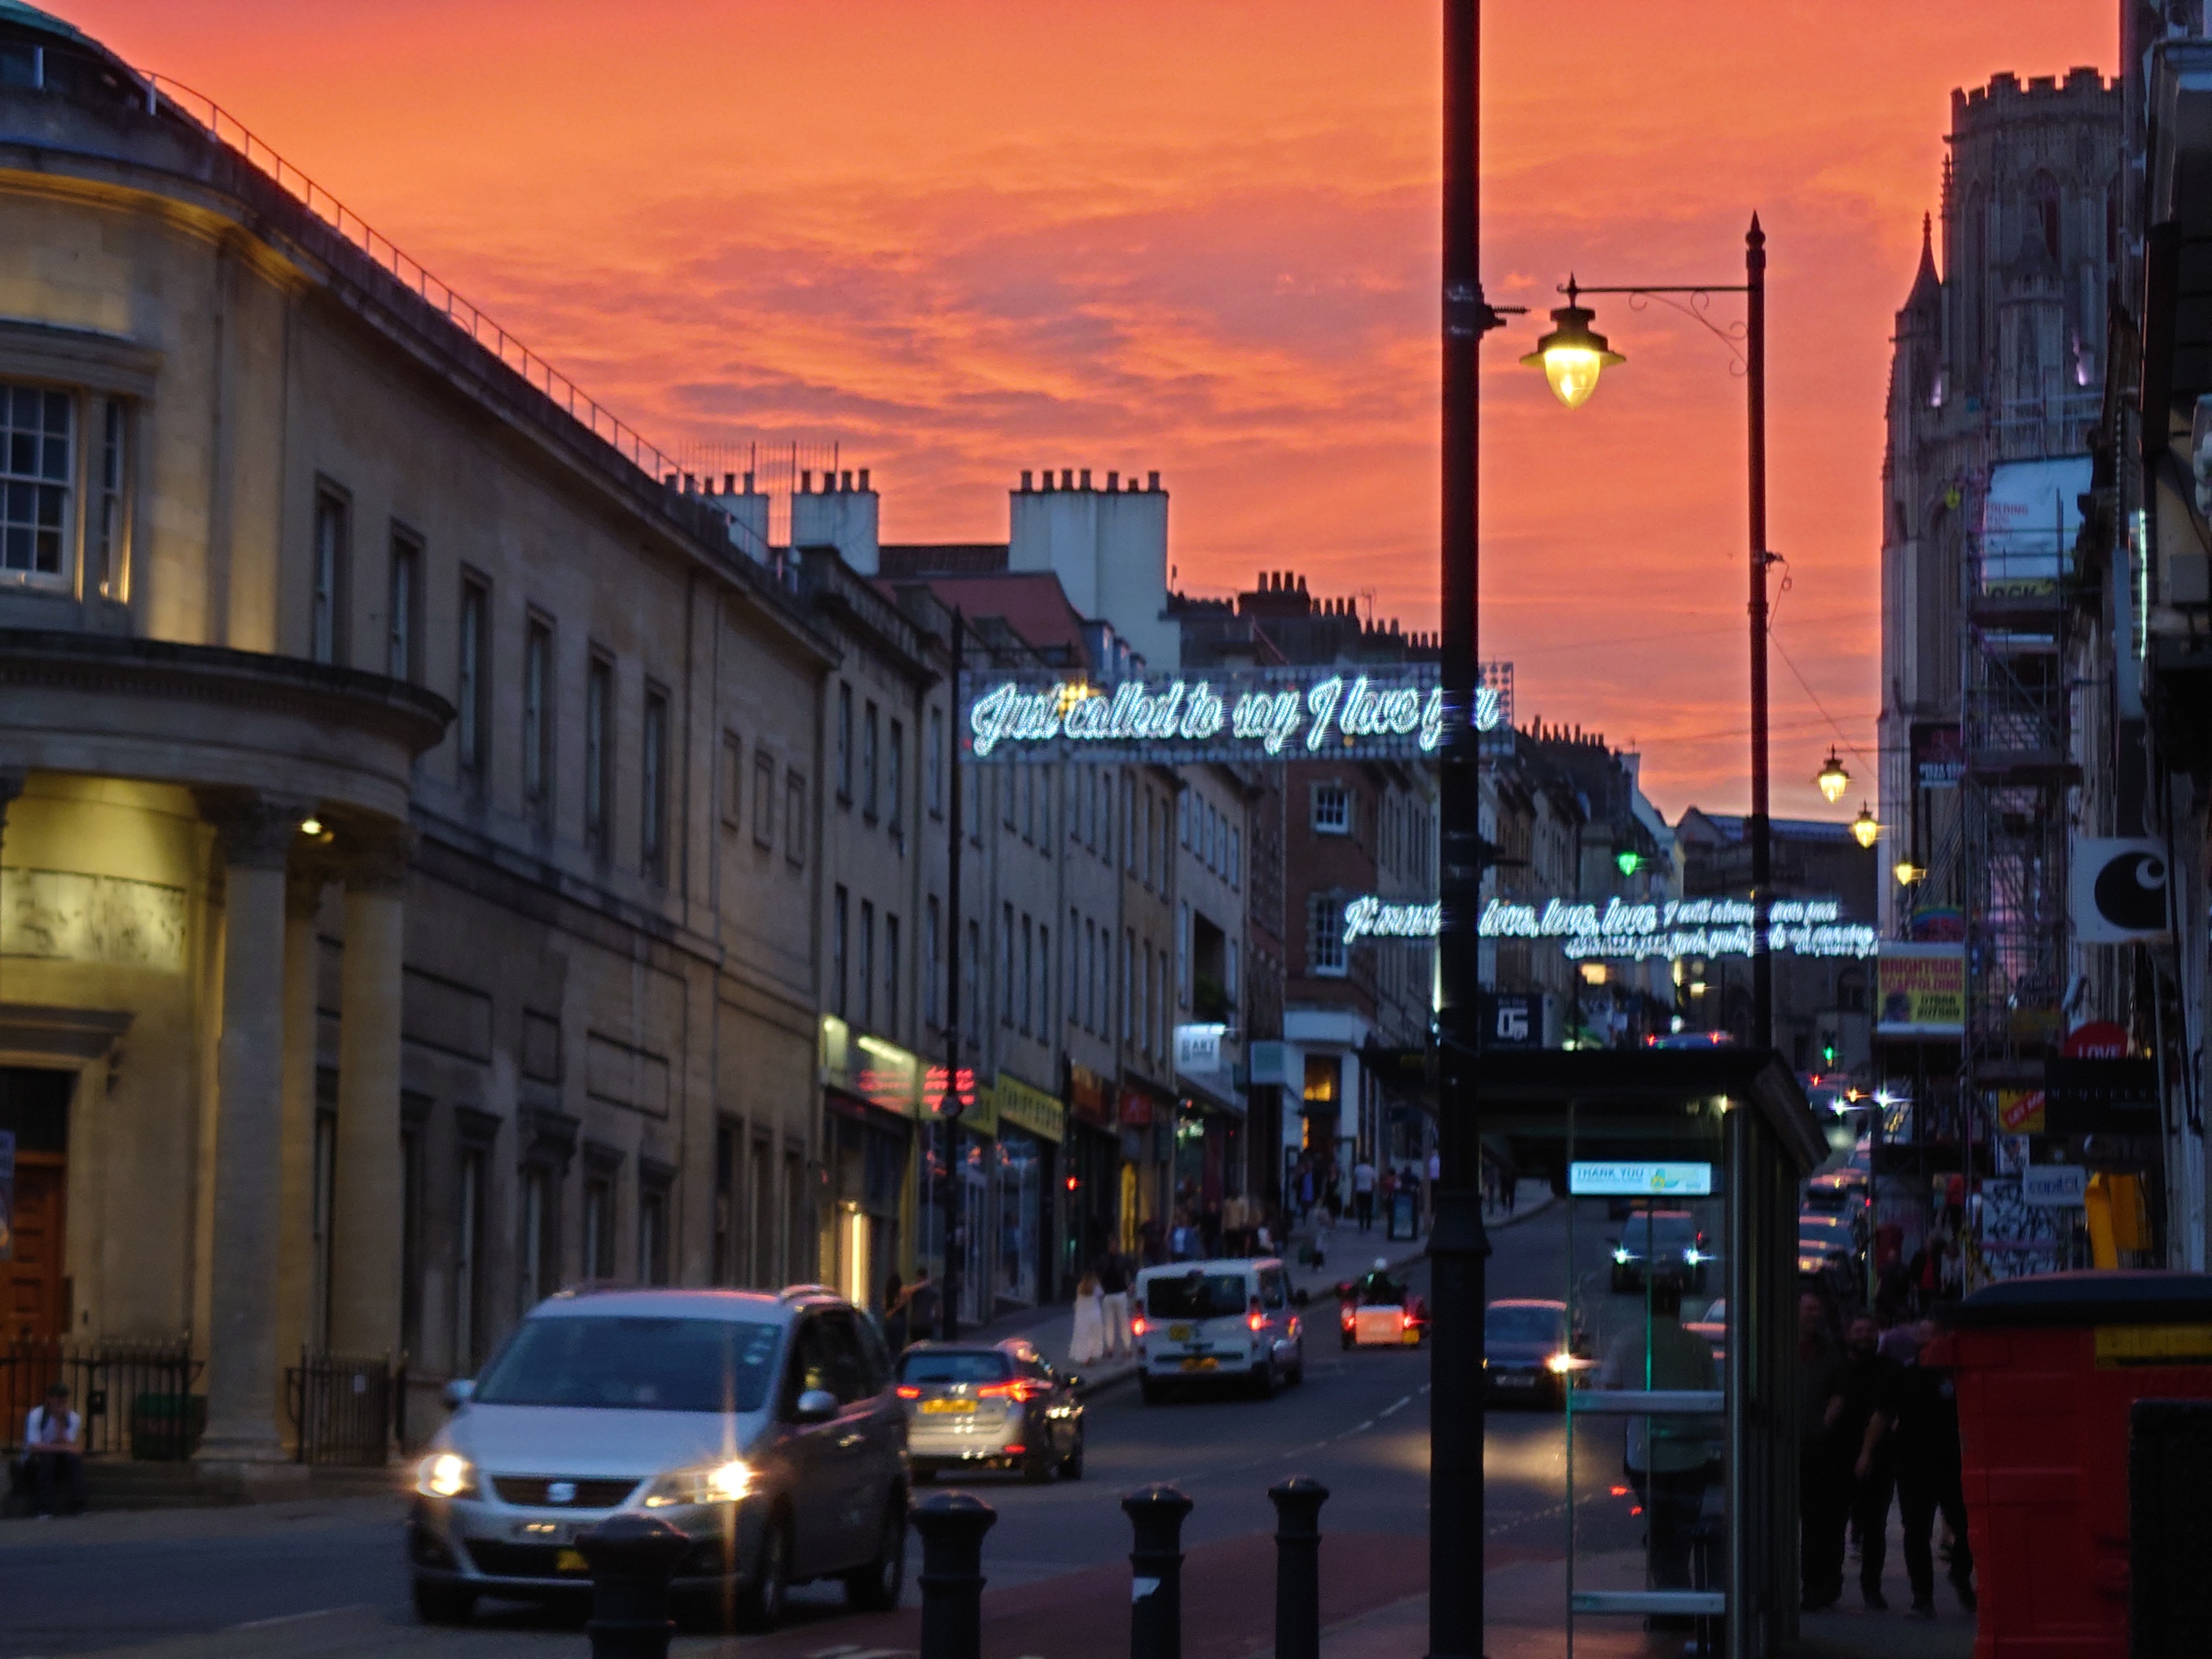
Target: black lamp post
951,1102
1571,357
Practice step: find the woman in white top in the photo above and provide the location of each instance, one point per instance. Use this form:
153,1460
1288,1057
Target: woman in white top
1088,1346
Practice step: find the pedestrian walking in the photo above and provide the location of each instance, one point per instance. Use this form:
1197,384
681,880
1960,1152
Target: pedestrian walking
1363,1194
1114,1303
1823,1498
1926,1439
1305,1179
1087,1345
1870,1389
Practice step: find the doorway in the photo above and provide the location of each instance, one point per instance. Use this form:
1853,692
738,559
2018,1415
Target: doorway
34,1287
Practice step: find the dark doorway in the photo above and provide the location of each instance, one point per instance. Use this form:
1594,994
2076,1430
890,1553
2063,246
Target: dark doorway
33,1287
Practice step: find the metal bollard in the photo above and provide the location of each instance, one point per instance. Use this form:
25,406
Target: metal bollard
1298,1567
1156,1515
953,1525
632,1559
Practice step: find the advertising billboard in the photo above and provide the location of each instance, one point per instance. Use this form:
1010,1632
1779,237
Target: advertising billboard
1920,990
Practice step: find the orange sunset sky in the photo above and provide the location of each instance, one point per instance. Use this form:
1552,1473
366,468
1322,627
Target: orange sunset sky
963,237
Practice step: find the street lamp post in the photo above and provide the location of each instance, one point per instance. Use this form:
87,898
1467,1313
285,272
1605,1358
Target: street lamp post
1571,357
951,1102
1458,1247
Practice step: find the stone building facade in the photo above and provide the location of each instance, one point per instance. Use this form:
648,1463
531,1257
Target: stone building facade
409,855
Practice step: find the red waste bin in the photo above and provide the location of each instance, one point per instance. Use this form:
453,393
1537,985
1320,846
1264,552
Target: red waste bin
2046,1367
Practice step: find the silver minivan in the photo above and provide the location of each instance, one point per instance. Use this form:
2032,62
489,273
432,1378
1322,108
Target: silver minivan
1209,1321
765,1427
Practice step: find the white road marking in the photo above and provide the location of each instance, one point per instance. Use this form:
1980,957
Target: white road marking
1395,1405
1363,1428
289,1618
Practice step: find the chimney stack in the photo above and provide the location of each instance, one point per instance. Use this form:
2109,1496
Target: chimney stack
1026,476
1113,482
864,478
1068,478
807,482
1086,478
1152,481
748,483
730,482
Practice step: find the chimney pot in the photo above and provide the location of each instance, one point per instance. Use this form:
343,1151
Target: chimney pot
1152,481
864,478
846,479
730,482
672,480
1025,481
807,482
1068,478
1086,478
748,483
1113,482
1301,584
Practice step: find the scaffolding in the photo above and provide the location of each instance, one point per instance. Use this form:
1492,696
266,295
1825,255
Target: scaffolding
2017,742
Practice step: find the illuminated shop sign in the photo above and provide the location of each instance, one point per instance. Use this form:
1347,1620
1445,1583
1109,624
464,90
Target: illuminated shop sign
1632,929
1278,713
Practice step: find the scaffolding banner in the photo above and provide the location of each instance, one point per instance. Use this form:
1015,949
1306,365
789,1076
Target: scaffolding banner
1920,990
2030,518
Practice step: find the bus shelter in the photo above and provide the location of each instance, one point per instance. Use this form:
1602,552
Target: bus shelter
1678,1387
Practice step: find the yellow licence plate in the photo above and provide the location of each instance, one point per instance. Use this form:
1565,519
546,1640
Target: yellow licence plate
1182,1332
1204,1364
933,1407
570,1561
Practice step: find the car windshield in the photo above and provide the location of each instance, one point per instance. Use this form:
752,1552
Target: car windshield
1521,1324
634,1362
1196,1296
976,1365
1673,1230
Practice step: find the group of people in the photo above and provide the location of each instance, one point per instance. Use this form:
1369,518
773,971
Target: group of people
1878,1424
1102,1312
1320,1184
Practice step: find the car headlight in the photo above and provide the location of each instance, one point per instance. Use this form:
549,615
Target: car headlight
716,1483
1621,1257
446,1474
1694,1255
1559,1364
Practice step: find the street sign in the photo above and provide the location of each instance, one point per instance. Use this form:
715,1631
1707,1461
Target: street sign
1640,1180
1513,1019
2055,1186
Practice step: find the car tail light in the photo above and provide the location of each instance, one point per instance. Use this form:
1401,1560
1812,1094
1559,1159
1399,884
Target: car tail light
1405,1320
1258,1322
1138,1327
907,1391
1015,1451
1023,1390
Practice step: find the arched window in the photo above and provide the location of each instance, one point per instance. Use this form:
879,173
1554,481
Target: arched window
2043,209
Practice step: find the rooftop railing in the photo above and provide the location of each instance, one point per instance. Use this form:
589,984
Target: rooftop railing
471,319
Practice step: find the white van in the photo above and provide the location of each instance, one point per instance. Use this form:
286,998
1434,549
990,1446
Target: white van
1213,1321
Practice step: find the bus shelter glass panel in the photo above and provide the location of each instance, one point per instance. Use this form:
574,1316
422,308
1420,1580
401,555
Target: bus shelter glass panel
1649,1249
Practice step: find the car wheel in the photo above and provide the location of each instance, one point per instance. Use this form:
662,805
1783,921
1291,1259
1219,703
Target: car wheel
1345,1338
1070,1466
1298,1371
1266,1381
444,1604
875,1588
760,1608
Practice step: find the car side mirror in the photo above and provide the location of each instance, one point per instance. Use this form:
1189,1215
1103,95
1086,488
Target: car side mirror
816,1404
460,1392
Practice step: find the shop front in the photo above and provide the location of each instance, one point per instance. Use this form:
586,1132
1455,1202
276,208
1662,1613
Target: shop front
1146,1118
871,1097
1026,1158
1092,1154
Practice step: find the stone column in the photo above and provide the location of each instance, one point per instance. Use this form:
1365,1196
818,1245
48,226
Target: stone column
296,1261
244,1369
365,1248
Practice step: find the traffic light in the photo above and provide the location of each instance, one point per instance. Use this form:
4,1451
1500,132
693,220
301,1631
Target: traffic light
1827,1053
1628,862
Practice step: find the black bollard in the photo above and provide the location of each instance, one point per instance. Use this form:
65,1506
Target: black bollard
1156,1515
632,1559
953,1525
1298,1567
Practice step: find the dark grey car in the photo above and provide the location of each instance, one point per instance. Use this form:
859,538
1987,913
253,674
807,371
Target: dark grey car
763,1426
979,1405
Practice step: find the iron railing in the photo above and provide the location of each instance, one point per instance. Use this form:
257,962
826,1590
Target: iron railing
136,1399
346,1411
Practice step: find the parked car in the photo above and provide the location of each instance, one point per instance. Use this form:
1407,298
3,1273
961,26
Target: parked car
1532,1352
1665,1244
991,1406
1214,1322
764,1427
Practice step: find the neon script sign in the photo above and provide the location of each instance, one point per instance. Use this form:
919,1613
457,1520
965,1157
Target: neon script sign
1270,714
1631,929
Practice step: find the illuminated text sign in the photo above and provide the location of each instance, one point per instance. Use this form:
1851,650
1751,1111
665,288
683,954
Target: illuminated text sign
1283,714
1635,929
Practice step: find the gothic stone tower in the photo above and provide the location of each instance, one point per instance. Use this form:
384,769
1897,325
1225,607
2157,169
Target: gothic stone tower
1998,357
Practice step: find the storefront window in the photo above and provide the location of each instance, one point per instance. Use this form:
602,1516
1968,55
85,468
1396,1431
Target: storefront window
1021,1170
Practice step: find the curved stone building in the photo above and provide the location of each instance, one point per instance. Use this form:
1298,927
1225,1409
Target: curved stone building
388,931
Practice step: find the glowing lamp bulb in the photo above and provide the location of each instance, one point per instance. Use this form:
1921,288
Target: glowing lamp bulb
1832,778
1865,829
1572,354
